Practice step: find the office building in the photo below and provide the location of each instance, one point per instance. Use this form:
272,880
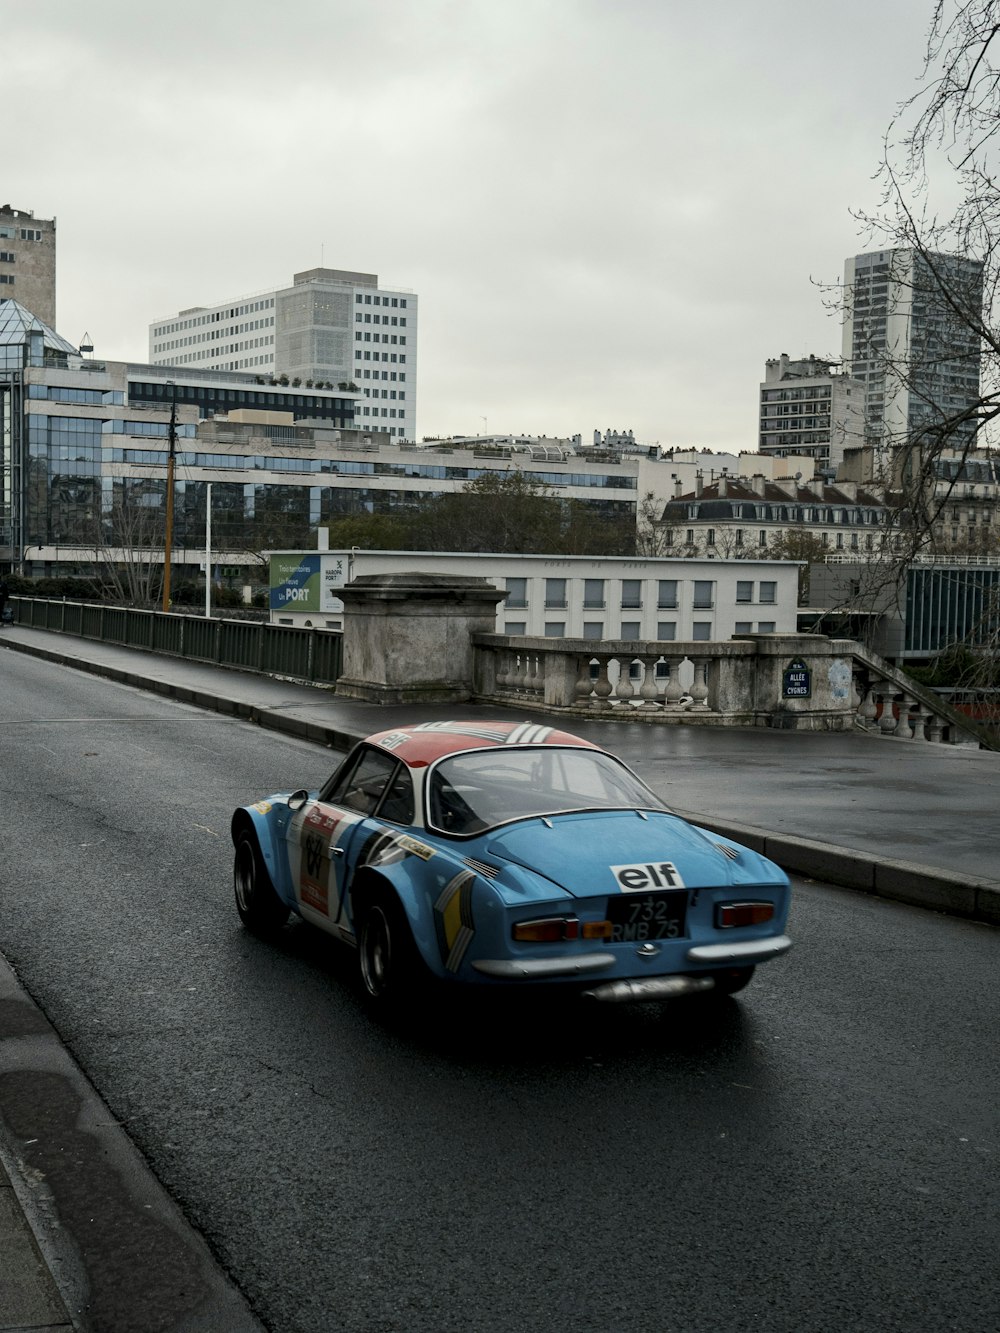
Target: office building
330,327
84,446
28,262
909,336
573,597
810,406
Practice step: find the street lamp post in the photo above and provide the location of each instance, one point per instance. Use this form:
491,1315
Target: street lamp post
168,539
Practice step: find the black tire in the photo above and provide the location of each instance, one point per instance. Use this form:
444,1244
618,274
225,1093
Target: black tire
732,980
260,908
392,973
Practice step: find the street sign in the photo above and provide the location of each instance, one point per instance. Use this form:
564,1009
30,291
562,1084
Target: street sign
796,680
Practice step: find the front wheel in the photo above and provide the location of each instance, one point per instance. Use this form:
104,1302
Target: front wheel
390,968
260,908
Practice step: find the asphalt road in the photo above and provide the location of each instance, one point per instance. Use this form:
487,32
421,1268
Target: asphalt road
820,1155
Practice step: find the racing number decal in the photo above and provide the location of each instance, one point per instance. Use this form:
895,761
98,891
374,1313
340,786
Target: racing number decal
645,878
320,832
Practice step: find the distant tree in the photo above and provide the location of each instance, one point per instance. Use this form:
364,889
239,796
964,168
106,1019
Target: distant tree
947,133
371,532
499,512
586,531
797,544
652,536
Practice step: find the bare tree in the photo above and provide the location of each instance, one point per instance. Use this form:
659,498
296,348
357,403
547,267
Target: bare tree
129,543
924,313
940,216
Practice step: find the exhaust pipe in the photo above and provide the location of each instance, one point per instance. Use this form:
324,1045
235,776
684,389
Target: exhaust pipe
656,988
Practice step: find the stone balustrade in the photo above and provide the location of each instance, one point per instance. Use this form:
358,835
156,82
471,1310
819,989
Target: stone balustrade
887,708
739,682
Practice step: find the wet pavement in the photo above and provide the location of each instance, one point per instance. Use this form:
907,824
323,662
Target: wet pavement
907,820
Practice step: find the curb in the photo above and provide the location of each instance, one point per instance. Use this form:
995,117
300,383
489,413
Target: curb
967,896
90,1238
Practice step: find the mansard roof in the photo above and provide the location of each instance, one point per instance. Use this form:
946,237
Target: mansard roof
717,498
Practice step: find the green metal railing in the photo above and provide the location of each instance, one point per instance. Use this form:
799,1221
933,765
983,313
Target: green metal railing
314,655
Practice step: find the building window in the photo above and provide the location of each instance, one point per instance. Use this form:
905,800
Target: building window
762,539
768,592
631,593
701,631
704,594
514,627
517,590
593,594
765,627
744,590
666,594
743,627
666,630
555,593
710,537
690,536
739,536
555,629
593,629
631,629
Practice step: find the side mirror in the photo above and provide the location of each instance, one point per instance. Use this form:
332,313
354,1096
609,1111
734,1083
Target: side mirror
298,799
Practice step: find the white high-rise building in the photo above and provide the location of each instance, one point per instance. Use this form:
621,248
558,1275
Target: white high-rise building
909,337
330,326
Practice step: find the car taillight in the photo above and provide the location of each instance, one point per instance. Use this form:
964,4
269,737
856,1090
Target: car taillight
743,914
546,930
596,930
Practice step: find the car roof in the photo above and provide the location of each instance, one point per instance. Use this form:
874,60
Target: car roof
426,742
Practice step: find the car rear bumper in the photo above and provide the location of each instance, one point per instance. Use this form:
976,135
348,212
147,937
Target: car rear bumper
536,969
740,952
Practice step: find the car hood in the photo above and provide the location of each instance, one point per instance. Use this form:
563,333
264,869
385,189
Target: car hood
578,851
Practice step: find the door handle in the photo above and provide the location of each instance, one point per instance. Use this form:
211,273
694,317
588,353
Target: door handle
336,851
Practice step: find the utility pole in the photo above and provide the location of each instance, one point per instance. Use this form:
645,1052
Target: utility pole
208,549
168,540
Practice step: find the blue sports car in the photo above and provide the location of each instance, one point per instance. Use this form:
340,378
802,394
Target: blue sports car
501,854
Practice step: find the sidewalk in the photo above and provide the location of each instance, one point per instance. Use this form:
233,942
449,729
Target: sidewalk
80,1212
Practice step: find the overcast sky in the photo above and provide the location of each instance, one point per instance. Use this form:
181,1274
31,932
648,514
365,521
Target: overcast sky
613,211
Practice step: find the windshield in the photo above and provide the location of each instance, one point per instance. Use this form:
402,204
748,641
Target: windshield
471,792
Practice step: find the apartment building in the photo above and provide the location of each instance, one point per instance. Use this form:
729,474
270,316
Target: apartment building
84,447
736,518
330,327
28,261
909,337
811,407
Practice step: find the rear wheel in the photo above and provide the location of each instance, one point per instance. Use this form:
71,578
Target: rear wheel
260,908
733,979
391,970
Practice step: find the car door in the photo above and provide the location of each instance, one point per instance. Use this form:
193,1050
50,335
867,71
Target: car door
328,835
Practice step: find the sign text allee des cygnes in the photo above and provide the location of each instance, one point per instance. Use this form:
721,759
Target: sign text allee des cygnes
796,681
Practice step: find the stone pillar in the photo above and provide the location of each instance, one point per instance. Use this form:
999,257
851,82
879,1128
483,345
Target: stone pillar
828,663
408,637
